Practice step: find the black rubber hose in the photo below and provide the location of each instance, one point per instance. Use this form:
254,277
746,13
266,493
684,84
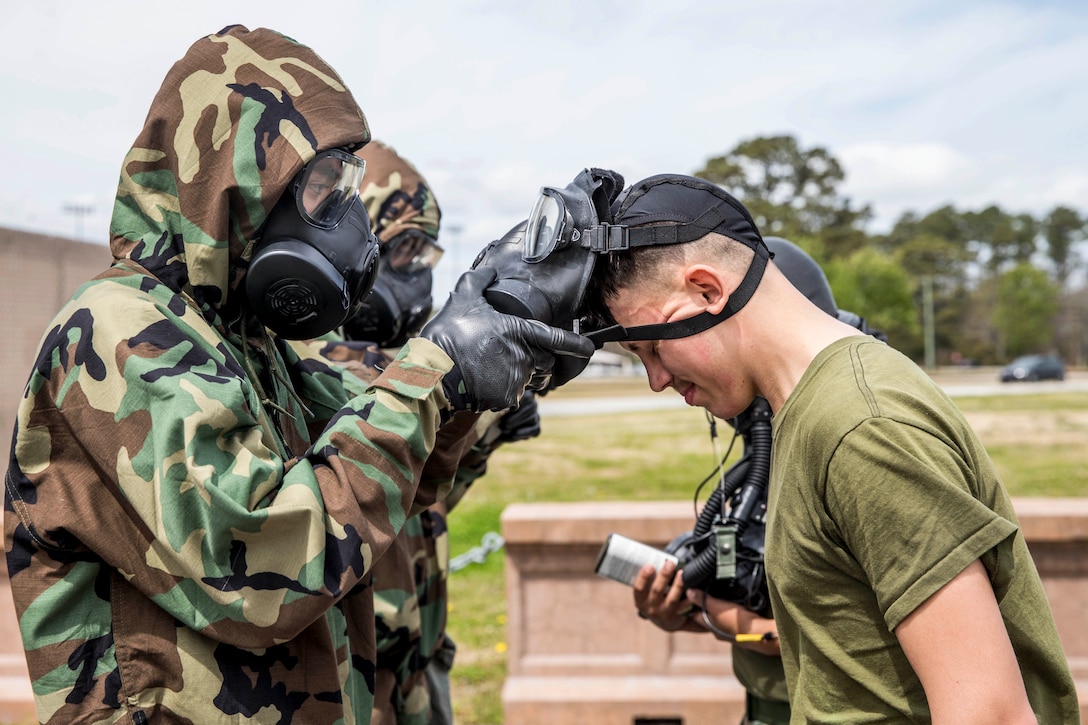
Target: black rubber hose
715,508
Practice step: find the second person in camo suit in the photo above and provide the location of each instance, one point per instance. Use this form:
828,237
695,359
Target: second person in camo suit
410,580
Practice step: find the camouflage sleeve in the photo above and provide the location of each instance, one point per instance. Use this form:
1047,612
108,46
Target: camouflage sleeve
359,365
139,443
354,365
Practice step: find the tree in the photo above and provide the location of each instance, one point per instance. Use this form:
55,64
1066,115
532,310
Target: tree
941,259
986,303
1026,307
934,253
791,192
1008,239
1062,228
936,246
870,284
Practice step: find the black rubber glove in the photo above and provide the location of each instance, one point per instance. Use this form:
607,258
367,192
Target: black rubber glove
495,356
522,423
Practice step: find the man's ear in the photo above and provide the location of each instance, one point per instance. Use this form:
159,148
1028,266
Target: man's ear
708,286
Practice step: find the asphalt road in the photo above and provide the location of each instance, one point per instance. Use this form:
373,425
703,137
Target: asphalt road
971,382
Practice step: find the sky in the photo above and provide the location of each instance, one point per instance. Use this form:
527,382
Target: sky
925,103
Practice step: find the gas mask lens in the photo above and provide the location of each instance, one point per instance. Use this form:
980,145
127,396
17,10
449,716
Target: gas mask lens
327,187
411,252
546,225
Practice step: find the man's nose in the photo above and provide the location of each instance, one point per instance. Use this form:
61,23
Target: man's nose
658,377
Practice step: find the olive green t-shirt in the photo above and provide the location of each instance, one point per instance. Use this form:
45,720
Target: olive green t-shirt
880,494
760,674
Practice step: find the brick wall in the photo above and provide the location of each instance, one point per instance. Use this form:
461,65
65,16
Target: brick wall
38,274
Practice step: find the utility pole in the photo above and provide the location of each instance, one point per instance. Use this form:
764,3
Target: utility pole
78,211
927,322
454,250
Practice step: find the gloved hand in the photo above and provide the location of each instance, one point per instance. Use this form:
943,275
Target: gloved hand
522,423
495,355
546,292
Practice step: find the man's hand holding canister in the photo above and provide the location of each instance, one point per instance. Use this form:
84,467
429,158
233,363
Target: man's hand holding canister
659,597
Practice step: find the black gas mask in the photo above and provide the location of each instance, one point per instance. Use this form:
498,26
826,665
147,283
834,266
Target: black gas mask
316,258
545,264
400,302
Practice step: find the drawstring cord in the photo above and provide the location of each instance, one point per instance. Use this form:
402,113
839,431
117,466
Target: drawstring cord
262,397
274,369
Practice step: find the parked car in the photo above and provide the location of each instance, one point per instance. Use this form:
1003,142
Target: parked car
1033,367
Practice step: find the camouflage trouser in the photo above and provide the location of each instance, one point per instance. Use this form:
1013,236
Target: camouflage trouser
758,711
438,681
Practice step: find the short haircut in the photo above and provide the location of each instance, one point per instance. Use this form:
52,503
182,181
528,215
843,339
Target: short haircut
648,267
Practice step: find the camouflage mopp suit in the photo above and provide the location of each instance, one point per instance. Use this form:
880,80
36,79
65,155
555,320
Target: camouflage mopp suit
410,578
193,509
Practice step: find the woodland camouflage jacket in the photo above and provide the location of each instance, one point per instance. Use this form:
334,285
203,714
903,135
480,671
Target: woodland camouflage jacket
192,509
410,579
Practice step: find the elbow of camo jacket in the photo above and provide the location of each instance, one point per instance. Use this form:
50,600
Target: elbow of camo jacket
166,561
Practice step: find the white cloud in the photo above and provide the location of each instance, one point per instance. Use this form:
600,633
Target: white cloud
924,102
894,179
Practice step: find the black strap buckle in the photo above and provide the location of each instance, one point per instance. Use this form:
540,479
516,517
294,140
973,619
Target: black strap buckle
606,237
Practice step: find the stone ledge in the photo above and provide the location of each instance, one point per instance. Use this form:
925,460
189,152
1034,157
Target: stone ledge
1042,519
567,524
611,701
1053,519
577,654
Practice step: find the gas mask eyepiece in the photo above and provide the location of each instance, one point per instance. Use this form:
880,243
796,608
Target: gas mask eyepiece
411,251
326,187
550,226
400,303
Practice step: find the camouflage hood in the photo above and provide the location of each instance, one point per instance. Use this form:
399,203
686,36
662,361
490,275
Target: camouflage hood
236,118
396,195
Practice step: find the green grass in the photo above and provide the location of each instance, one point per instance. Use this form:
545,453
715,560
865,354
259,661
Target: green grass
1039,402
1036,442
